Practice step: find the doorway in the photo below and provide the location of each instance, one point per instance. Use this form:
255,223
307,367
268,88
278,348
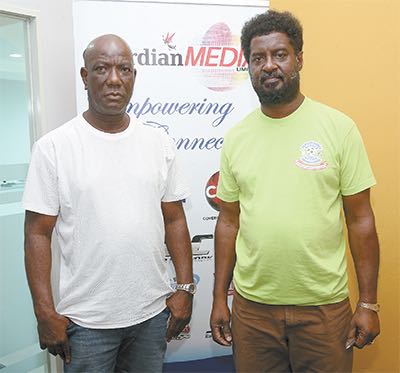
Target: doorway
19,348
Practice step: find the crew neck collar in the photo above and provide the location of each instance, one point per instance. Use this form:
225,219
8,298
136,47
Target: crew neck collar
108,135
289,117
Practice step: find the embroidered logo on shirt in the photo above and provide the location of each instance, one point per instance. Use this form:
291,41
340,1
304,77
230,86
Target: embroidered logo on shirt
311,156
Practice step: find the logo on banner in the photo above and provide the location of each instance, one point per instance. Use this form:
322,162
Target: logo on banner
211,191
167,39
199,253
153,124
212,217
184,334
216,58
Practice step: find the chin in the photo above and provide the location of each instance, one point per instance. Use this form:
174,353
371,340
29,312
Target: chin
115,108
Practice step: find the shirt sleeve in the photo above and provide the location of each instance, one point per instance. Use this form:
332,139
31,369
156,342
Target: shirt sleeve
355,173
227,189
176,186
41,189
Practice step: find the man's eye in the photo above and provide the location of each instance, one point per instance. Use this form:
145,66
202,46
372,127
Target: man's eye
100,69
126,69
280,55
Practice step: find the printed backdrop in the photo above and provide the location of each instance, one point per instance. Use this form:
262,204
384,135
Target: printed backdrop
192,82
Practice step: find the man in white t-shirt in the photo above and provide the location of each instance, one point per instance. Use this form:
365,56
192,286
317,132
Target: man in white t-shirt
109,189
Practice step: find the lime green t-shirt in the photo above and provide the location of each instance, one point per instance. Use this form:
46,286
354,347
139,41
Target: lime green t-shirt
289,176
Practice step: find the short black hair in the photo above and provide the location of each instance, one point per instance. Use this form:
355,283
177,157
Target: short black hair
268,22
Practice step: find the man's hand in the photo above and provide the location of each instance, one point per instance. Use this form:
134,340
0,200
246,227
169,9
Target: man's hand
180,305
220,324
364,328
53,336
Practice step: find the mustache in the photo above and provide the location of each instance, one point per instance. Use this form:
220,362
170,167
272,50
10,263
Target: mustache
270,75
277,75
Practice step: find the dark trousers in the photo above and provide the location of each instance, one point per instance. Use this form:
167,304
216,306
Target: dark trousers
269,338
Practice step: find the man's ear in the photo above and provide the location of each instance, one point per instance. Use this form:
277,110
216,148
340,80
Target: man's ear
84,74
299,60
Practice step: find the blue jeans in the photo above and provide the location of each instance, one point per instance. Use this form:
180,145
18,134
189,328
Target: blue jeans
137,348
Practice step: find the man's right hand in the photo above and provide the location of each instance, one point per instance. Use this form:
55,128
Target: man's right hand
220,321
53,336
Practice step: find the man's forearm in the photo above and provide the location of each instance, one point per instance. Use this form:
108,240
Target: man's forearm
225,258
364,247
51,325
177,240
363,242
179,246
38,270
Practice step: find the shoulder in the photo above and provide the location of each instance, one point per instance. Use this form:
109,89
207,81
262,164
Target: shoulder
58,135
330,115
240,129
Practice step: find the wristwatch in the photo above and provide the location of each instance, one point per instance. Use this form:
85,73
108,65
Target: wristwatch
190,288
370,306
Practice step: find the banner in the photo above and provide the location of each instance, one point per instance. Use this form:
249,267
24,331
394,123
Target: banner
192,82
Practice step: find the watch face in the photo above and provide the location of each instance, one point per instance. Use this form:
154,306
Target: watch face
192,288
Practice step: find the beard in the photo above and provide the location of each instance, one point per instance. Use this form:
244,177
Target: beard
275,96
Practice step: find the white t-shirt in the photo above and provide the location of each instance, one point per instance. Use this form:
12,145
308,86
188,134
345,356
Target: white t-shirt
106,190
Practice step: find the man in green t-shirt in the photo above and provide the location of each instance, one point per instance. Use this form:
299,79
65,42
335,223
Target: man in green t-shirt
287,169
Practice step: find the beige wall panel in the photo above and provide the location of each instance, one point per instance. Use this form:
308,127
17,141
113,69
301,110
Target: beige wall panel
351,62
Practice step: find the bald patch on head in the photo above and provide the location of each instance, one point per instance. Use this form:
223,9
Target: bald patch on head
101,41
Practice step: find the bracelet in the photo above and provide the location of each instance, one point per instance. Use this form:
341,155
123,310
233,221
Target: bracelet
370,306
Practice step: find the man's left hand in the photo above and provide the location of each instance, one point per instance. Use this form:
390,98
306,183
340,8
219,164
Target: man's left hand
180,305
364,328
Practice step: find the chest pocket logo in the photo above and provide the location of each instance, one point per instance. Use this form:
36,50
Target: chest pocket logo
311,156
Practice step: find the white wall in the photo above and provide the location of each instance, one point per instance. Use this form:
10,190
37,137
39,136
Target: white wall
55,56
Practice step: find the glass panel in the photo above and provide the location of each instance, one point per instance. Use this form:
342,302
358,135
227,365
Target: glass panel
14,113
19,349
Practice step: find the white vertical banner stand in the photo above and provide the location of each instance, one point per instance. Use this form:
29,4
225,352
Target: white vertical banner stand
192,82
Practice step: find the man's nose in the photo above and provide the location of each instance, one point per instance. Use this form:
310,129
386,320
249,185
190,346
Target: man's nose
113,76
269,64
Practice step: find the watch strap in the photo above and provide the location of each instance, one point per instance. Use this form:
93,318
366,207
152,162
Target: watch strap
190,288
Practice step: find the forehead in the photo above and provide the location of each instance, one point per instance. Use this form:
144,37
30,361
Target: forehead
109,49
272,41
